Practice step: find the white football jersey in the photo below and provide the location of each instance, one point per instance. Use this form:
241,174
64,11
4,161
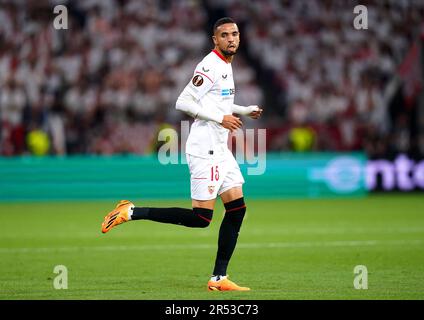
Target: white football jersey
212,86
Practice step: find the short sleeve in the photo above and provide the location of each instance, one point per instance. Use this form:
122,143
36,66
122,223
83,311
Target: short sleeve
202,80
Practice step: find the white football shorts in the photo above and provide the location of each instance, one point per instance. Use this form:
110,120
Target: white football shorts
211,177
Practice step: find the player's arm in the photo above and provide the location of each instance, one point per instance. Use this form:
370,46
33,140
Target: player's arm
252,111
187,103
189,100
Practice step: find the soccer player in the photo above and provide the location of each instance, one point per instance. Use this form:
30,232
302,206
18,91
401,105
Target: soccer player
209,99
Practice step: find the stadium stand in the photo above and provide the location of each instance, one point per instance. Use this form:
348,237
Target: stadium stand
109,82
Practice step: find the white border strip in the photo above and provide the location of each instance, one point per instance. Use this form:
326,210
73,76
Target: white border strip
262,245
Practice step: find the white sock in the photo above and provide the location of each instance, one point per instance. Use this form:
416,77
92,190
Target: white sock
217,278
130,212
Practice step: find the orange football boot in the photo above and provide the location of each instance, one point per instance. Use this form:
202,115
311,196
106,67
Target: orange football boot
225,285
119,215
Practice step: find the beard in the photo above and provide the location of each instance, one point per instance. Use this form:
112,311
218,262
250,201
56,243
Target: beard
229,53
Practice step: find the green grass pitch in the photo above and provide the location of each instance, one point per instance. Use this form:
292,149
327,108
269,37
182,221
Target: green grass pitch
287,249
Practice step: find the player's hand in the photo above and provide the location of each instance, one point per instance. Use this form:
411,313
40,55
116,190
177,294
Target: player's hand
256,114
231,122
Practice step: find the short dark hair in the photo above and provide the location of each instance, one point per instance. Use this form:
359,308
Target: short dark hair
221,22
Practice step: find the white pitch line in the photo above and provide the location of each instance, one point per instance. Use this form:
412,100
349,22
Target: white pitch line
337,230
340,243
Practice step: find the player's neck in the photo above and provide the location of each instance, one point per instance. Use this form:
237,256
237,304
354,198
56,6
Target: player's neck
224,57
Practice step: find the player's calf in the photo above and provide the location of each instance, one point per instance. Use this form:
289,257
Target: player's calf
192,218
228,234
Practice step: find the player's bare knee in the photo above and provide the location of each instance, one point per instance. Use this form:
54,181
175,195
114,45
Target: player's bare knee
204,217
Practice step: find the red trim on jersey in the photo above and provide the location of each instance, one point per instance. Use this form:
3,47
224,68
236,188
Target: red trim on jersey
219,55
204,75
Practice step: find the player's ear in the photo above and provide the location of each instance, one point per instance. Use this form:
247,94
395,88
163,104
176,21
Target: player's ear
215,41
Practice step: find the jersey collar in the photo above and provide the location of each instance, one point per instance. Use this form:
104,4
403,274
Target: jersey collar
219,55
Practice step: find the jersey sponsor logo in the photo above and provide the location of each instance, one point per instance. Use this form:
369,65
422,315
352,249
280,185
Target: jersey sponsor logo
205,70
197,81
228,92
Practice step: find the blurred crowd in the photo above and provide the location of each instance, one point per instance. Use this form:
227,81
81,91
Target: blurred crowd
109,82
337,84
